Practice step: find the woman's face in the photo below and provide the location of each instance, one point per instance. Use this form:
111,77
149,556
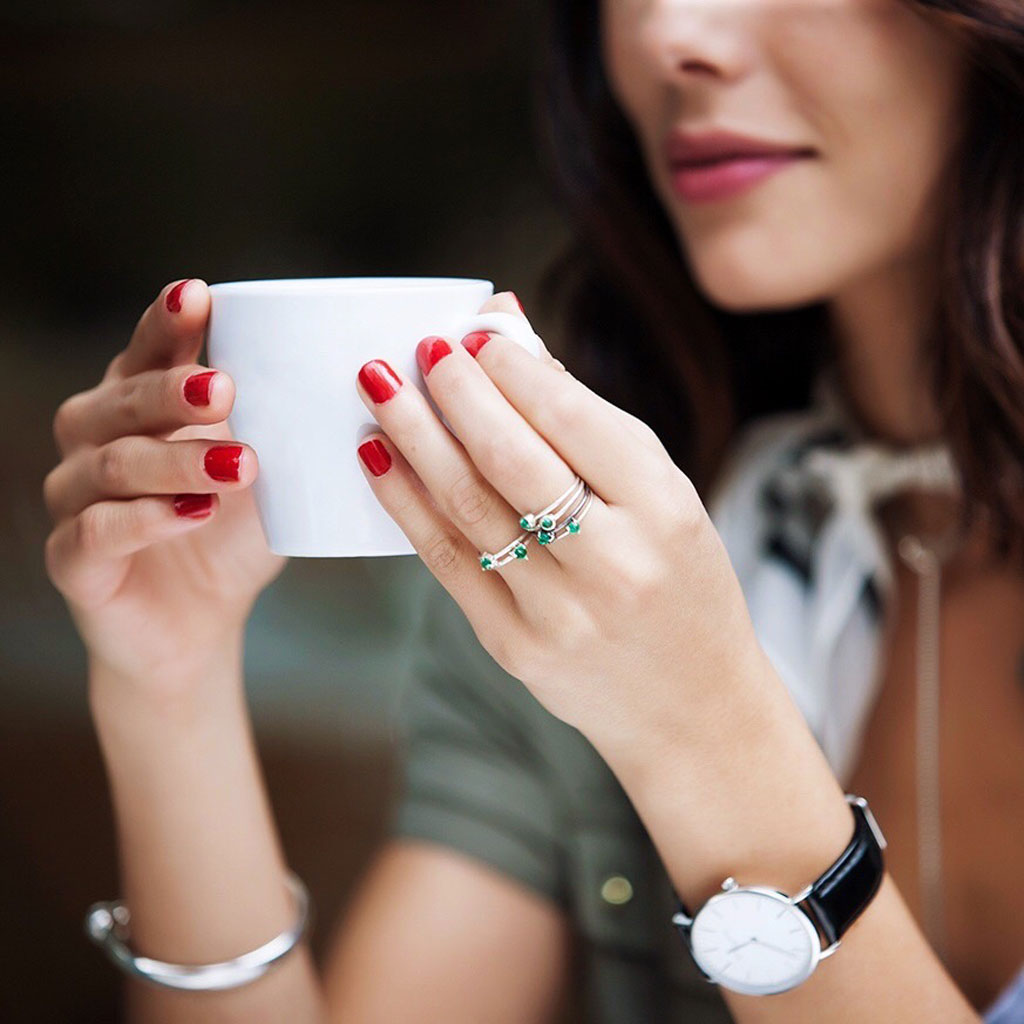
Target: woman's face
873,86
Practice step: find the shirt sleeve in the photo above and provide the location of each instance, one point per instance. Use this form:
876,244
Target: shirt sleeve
471,776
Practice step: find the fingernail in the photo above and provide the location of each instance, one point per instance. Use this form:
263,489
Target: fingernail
375,457
197,388
429,351
472,343
193,506
222,462
518,303
380,381
174,295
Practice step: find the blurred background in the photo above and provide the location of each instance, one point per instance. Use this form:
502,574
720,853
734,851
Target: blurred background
147,140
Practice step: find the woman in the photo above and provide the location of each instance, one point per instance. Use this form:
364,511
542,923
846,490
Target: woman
626,717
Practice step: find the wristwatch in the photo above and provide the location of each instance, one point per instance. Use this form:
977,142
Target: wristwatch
757,940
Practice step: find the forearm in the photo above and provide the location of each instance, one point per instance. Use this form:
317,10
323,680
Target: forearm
202,869
775,815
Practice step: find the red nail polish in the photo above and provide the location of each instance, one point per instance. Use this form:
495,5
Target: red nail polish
472,343
380,381
375,456
222,462
197,388
429,351
174,296
193,506
518,303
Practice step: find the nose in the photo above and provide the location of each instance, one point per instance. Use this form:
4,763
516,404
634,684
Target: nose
697,39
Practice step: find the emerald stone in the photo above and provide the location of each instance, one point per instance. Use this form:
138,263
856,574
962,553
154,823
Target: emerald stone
546,523
544,537
526,522
520,551
574,527
486,562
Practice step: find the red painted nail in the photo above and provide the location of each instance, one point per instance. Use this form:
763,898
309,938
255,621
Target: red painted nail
472,343
518,303
193,506
375,456
197,388
174,296
429,351
222,462
380,381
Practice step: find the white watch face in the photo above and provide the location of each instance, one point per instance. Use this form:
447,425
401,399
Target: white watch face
754,940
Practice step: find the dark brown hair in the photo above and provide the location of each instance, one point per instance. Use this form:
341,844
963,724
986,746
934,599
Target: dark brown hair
635,327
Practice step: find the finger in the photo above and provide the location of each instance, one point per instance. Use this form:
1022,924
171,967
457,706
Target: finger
169,332
151,402
456,486
586,431
87,555
524,469
131,466
508,302
444,549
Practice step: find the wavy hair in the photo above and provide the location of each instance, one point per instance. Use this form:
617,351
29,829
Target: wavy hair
637,329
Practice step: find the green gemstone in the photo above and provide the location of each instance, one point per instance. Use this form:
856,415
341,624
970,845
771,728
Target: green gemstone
520,551
486,562
574,527
547,522
526,522
544,537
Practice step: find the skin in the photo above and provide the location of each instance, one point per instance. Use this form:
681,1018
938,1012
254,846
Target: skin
173,724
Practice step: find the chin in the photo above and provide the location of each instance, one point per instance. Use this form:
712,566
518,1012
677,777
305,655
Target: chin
749,286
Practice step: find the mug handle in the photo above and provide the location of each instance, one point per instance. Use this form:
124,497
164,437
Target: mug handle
517,328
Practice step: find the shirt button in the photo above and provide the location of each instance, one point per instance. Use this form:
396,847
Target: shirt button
616,890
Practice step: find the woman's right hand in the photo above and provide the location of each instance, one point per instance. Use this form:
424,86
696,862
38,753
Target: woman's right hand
149,589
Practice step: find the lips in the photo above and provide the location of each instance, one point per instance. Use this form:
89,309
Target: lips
686,148
717,165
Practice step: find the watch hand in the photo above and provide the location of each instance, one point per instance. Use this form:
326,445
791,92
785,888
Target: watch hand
741,945
777,949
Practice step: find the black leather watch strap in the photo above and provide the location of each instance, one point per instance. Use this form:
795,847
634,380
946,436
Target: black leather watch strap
840,895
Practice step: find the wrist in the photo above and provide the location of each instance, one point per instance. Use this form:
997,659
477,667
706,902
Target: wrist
204,681
741,788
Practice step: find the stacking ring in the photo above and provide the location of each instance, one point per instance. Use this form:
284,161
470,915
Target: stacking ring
562,516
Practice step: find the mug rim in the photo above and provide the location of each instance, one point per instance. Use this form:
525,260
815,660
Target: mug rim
342,285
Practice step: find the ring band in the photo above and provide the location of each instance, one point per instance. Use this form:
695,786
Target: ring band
562,516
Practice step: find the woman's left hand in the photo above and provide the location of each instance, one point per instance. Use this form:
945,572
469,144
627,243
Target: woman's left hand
633,628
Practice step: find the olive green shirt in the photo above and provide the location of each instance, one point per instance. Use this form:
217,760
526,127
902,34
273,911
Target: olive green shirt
487,770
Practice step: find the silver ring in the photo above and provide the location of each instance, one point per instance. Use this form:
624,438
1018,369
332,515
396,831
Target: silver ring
513,551
562,516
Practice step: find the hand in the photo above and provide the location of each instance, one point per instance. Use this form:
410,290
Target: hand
149,589
633,624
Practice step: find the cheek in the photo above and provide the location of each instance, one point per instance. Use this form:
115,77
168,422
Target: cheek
626,66
880,89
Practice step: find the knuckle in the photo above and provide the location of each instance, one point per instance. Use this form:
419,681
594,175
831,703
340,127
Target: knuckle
562,408
65,420
51,488
515,655
673,505
89,528
471,500
113,465
128,402
511,464
441,554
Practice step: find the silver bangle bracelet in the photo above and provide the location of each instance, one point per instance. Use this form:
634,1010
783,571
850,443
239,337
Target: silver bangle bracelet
106,923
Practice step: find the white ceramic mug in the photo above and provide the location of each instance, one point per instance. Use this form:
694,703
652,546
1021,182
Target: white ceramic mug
293,349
